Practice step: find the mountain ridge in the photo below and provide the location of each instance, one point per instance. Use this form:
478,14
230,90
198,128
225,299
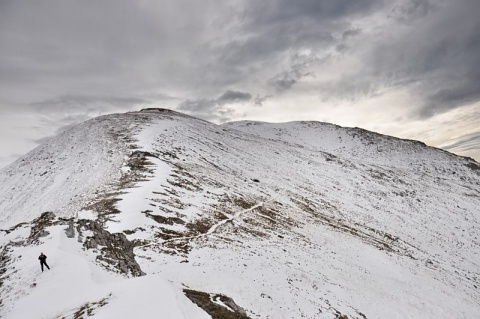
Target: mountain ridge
288,223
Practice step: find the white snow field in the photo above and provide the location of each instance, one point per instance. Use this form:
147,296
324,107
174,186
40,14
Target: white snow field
290,220
75,280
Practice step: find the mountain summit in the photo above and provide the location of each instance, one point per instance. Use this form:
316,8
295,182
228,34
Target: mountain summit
156,214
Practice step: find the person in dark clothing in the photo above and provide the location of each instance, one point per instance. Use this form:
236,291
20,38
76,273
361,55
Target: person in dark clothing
43,261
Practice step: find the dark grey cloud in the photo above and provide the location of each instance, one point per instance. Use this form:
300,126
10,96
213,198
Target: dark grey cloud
298,68
282,12
436,58
409,11
350,33
233,96
201,48
259,100
219,109
52,48
225,98
430,49
267,33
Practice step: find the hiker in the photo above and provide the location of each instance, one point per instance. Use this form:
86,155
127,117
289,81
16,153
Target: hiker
43,261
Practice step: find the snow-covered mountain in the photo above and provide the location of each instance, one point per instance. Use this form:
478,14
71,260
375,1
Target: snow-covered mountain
156,214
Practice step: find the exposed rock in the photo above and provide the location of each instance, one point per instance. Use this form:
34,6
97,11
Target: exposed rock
4,260
211,303
70,231
116,249
39,226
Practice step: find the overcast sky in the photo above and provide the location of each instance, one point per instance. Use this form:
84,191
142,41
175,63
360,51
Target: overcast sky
407,68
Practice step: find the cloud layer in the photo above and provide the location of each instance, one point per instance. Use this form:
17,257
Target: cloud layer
401,60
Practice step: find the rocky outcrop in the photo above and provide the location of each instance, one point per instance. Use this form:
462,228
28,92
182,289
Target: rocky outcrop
116,250
218,306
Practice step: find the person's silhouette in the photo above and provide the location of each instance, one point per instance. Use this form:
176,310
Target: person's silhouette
43,261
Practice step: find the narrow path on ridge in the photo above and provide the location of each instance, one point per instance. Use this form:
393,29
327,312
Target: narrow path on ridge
214,227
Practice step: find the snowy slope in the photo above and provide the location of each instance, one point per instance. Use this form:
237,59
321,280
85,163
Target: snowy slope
66,172
354,143
291,220
74,280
